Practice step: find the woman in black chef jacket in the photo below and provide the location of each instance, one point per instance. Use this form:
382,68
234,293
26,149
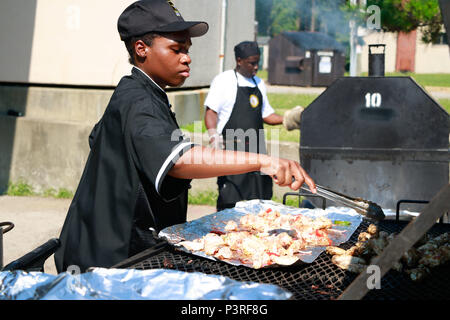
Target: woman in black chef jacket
139,170
236,109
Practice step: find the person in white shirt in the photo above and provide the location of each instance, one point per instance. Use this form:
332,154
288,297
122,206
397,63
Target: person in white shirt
236,109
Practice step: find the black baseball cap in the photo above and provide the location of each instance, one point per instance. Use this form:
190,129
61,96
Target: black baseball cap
146,16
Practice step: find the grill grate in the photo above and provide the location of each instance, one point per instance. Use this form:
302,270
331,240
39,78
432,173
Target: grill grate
320,280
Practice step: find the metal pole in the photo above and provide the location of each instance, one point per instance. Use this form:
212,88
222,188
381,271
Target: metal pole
1,248
354,69
353,57
223,26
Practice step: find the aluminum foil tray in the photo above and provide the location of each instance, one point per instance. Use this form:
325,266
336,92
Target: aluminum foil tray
130,284
200,227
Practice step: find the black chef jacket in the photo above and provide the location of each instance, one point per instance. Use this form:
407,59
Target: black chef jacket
124,189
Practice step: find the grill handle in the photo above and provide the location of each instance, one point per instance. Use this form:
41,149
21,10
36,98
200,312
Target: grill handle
8,225
397,212
34,260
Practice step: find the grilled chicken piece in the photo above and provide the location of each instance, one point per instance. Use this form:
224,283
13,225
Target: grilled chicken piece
301,221
353,251
442,239
397,266
437,257
372,230
253,222
212,242
234,239
350,263
195,245
261,260
364,236
284,221
322,223
231,226
295,247
252,246
431,259
224,253
423,240
445,252
362,248
411,257
283,240
435,243
284,260
336,251
427,247
417,274
269,214
379,243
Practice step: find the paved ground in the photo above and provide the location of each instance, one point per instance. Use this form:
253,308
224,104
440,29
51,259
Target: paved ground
37,220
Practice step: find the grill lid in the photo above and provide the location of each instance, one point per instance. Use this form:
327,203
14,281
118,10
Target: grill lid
375,112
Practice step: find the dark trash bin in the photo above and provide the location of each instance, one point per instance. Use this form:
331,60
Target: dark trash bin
305,59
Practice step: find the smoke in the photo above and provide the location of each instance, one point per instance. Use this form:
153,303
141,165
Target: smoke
328,16
262,13
312,15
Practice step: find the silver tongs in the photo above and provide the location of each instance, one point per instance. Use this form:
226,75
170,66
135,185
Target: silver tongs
366,208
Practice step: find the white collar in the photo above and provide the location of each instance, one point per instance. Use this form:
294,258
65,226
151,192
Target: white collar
243,79
150,79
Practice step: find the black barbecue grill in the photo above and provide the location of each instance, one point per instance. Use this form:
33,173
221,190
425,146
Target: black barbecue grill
378,138
320,280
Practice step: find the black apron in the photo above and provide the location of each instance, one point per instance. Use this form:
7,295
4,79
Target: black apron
244,132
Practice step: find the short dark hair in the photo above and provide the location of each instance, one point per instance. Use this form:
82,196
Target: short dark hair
246,49
146,38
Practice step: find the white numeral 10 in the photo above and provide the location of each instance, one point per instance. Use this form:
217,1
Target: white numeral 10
373,100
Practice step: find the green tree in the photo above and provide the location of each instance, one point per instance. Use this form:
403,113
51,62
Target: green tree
284,16
408,15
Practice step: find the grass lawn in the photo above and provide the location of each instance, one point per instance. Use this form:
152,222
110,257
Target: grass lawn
210,198
425,79
282,102
445,103
21,188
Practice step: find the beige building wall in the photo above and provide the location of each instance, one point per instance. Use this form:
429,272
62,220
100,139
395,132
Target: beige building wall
62,42
75,42
428,59
432,58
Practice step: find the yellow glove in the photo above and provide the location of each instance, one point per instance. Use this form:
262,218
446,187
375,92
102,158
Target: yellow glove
291,118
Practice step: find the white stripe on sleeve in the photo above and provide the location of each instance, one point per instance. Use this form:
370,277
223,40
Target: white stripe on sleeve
174,153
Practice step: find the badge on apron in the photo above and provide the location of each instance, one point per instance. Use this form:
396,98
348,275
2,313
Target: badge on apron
254,101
